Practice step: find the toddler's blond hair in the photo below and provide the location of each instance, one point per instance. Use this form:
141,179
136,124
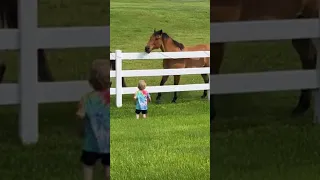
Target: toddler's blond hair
142,85
99,77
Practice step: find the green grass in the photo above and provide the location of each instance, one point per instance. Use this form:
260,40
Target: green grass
173,143
254,136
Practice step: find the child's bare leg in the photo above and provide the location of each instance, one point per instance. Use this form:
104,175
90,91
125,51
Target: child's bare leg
137,116
87,172
144,115
107,172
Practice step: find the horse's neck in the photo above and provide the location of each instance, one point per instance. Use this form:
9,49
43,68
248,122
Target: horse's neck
169,46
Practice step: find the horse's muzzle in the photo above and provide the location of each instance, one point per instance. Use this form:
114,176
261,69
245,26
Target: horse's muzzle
147,49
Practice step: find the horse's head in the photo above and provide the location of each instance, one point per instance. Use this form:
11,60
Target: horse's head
154,42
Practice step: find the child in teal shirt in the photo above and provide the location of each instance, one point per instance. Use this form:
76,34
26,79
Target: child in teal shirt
142,97
94,109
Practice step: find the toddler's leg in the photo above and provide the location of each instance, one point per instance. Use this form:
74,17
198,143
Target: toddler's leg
88,159
87,172
107,172
137,113
106,164
144,113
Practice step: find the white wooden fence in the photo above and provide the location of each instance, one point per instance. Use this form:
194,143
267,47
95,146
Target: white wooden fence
28,92
268,81
118,56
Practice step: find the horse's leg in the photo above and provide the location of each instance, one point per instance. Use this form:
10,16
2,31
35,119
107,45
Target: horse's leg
2,71
123,83
308,56
176,81
206,80
44,73
216,55
163,81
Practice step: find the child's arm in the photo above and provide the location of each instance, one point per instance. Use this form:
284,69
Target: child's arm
149,97
80,116
135,95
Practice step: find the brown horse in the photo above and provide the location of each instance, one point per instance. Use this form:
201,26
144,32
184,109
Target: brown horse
161,40
113,67
9,18
244,10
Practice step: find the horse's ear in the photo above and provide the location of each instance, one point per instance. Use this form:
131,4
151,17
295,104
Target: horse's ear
160,31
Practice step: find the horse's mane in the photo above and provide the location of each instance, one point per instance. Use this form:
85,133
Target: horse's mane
166,36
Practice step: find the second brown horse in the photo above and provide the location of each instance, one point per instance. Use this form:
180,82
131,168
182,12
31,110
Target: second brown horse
244,10
161,40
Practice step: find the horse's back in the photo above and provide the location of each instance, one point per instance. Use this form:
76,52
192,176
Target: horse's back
198,62
198,47
235,10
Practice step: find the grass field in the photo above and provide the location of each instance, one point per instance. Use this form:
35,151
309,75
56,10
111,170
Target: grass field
254,137
174,142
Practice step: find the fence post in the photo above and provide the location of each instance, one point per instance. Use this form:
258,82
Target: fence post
28,120
119,78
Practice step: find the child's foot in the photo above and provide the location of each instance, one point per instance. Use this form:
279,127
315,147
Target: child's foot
137,116
144,116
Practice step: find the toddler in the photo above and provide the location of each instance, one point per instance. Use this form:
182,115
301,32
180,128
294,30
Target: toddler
94,110
142,97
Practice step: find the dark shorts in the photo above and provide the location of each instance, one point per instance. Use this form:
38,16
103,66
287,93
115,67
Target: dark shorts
90,158
141,111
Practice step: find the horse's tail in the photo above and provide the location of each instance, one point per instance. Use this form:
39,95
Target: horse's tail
2,17
8,13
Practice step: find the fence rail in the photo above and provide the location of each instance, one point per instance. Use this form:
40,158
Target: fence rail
119,73
28,38
268,81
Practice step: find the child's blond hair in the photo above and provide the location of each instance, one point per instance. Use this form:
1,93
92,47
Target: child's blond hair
99,77
142,85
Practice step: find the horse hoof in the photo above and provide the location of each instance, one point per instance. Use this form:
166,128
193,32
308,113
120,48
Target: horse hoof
298,111
203,97
173,101
158,101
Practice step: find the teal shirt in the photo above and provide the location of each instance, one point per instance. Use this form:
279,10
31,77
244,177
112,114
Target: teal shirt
95,108
142,100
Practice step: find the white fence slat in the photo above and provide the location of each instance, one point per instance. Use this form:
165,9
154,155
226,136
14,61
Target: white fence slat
163,72
263,81
9,94
119,77
28,77
169,88
9,39
165,55
112,74
264,30
71,37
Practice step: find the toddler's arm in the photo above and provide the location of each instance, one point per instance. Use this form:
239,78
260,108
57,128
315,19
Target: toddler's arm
80,116
149,97
135,95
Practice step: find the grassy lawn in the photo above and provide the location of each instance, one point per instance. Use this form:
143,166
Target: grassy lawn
173,143
57,155
254,136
